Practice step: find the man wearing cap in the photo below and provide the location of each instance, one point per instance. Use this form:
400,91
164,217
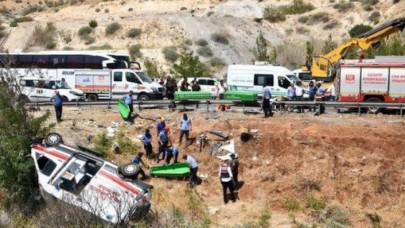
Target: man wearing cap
193,169
163,142
226,177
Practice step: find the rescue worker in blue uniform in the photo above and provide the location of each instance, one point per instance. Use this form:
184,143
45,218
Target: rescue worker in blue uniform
226,177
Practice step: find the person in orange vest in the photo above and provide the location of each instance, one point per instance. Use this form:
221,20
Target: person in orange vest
226,177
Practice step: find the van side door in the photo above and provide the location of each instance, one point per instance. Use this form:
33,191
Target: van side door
283,84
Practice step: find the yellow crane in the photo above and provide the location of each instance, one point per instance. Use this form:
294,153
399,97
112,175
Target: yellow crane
323,68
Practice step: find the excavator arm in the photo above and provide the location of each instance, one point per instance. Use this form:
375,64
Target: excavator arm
323,67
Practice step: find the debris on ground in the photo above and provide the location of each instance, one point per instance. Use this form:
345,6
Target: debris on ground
219,133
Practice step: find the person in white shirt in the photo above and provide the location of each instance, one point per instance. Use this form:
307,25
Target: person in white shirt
226,177
299,93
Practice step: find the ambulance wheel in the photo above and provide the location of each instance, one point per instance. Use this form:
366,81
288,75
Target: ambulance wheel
143,97
130,170
374,110
53,139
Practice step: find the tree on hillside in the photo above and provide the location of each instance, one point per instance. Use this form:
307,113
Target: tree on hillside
395,45
359,29
189,66
260,50
152,68
310,53
18,128
329,45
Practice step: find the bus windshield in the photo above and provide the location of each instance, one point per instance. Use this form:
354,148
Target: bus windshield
144,77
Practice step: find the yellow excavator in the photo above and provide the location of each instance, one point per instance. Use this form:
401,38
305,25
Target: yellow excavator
323,68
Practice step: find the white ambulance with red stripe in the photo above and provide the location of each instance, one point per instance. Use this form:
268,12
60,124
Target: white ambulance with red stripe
377,80
82,179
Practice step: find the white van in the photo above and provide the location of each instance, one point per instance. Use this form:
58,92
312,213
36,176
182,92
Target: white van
37,90
206,84
253,77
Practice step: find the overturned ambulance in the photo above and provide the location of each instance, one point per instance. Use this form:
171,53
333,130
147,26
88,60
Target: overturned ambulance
81,178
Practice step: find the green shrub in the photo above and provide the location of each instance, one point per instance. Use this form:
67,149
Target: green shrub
93,24
359,29
217,62
297,7
291,205
135,51
273,14
3,10
205,51
303,19
112,28
106,11
88,39
220,38
187,42
102,47
44,37
32,9
103,144
85,31
130,9
13,23
2,28
374,17
331,25
315,204
396,1
97,10
338,215
67,48
134,32
170,54
201,42
189,65
369,2
2,34
343,6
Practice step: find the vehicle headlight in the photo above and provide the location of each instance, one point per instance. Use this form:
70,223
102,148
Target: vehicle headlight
75,93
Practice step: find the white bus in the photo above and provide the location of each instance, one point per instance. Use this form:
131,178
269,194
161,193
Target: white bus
63,65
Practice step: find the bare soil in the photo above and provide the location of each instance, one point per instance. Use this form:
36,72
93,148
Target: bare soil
355,162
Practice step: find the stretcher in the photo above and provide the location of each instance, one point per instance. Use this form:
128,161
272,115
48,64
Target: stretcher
123,109
172,170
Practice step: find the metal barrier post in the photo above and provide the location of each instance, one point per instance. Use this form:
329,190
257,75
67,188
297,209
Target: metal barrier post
208,106
139,105
77,103
400,110
358,105
108,106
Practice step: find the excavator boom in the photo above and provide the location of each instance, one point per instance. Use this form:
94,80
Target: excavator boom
323,67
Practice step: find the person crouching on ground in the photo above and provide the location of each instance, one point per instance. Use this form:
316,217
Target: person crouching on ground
226,177
170,153
138,160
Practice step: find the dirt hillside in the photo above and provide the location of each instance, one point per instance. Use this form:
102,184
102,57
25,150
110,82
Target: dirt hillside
180,23
351,167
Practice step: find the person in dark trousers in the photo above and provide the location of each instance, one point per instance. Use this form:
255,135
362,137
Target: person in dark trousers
185,128
320,94
147,143
235,169
57,101
312,93
193,169
170,153
128,100
226,177
138,160
160,126
266,100
163,142
171,87
299,93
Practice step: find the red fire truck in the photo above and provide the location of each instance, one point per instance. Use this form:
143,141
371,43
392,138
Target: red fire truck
378,80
